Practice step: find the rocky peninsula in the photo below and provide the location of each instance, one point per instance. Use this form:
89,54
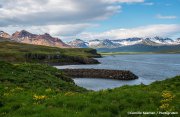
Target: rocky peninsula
100,73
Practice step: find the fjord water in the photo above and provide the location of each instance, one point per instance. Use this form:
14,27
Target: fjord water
148,67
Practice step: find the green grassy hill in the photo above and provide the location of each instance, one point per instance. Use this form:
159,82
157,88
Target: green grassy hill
34,90
18,53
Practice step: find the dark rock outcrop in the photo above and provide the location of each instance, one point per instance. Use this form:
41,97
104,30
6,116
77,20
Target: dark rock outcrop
100,73
58,59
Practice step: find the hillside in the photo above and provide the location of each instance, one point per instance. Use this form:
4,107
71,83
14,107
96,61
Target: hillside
35,90
18,53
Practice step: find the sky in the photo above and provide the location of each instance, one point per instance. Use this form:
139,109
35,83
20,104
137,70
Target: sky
92,19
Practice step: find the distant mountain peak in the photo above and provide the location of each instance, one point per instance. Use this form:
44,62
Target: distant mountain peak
95,40
24,36
24,31
4,35
47,34
78,40
78,43
1,31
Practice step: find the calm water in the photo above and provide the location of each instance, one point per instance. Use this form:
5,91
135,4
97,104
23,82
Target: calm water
149,68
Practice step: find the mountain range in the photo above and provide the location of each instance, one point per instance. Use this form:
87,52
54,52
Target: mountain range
154,44
107,43
29,38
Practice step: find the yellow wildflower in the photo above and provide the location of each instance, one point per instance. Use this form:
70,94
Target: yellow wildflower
166,101
39,97
167,94
164,106
69,94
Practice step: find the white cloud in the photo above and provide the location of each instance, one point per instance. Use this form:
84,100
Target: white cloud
159,16
69,32
163,30
57,17
50,12
55,30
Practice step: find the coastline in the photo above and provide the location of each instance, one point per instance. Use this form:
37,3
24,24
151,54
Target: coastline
14,52
134,53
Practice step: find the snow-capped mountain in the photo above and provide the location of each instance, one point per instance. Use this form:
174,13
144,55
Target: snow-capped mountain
178,40
78,43
94,42
129,41
102,44
107,43
4,35
160,40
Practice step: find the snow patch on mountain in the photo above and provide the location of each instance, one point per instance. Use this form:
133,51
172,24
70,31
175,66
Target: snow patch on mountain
78,43
165,41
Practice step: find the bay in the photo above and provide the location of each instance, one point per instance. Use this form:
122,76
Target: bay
148,67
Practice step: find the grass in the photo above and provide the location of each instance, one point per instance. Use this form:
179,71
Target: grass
35,90
18,53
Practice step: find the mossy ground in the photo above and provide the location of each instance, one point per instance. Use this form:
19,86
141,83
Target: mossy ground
34,90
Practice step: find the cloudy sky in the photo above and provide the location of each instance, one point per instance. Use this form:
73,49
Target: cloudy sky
91,19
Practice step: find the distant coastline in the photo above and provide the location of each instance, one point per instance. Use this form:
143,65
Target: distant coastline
135,53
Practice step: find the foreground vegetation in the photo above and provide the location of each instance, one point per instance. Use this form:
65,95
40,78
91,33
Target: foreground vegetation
35,90
18,53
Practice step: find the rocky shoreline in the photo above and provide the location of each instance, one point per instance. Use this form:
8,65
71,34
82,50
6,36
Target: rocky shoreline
58,59
100,73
